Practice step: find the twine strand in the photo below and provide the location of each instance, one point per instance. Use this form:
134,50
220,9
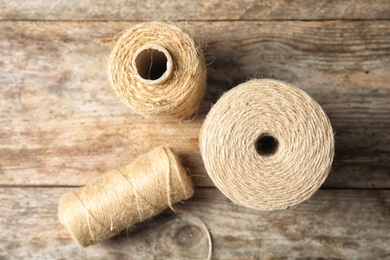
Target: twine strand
205,230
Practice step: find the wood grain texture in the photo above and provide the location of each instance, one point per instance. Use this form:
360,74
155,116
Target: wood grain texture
60,124
333,224
194,10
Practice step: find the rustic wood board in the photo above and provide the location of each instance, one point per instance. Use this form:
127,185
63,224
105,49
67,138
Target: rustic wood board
62,125
334,224
195,10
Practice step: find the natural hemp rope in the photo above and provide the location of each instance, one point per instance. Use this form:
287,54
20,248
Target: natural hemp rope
158,71
125,196
267,145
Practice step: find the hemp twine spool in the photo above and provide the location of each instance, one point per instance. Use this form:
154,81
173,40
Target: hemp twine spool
125,196
267,145
158,71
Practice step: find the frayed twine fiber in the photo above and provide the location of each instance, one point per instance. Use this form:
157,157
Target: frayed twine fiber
158,71
125,196
267,145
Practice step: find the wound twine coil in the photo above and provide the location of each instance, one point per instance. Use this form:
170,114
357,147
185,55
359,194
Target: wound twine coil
158,71
124,197
267,145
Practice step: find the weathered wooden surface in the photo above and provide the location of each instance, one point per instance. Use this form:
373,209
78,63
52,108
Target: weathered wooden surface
334,224
62,125
194,10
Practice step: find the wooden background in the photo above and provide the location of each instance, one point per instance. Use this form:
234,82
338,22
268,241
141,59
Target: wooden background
61,125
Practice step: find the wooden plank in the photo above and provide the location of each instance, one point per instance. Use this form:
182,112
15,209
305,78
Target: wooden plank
60,124
334,224
195,10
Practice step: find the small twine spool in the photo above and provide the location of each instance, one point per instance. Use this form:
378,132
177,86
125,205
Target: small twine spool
158,71
124,197
267,145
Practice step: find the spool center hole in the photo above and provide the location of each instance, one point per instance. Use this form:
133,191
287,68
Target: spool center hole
151,64
266,145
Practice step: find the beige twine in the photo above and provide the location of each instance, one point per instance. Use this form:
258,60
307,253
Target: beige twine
158,71
267,145
205,230
125,196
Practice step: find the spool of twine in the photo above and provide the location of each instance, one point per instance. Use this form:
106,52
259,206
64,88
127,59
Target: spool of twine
267,145
158,71
125,196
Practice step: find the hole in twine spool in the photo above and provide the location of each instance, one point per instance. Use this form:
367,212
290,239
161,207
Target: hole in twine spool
266,145
153,64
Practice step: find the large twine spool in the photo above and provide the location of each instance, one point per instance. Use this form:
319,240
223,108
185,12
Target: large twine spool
124,197
158,71
267,145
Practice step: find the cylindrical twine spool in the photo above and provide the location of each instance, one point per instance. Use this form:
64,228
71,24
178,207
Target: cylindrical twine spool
267,145
158,71
125,196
